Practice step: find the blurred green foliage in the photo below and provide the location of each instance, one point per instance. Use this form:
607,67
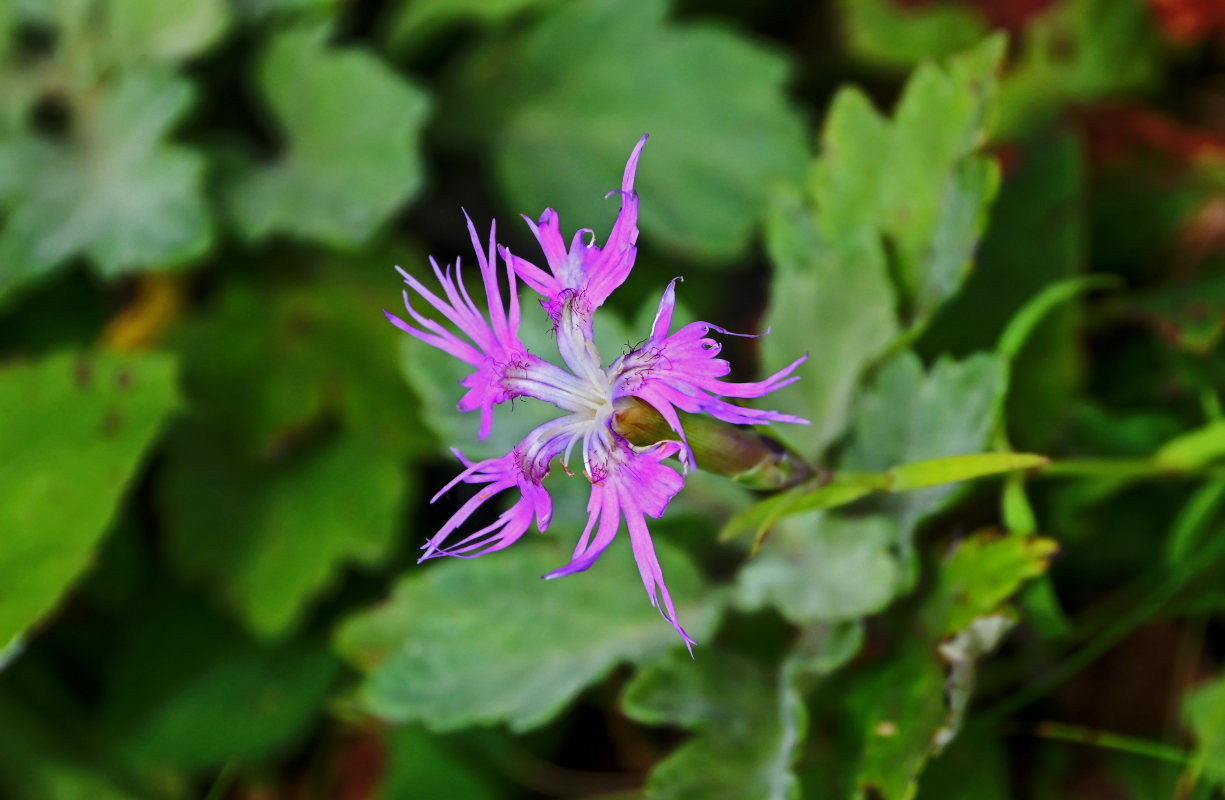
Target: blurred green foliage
216,455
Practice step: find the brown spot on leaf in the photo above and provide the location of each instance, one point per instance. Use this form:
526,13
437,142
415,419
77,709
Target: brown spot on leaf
111,423
83,372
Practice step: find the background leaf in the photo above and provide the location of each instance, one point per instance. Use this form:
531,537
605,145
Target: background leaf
350,160
698,90
186,689
749,724
273,537
68,195
75,435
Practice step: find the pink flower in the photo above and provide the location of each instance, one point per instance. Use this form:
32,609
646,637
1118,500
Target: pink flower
670,371
585,274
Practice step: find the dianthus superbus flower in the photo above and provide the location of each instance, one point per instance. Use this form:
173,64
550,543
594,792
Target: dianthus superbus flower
670,371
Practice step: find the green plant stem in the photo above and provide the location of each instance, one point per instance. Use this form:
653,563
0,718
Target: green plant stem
1106,740
1124,469
1108,637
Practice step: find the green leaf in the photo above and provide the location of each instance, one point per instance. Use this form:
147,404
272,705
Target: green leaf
421,766
267,364
415,22
187,690
1015,300
824,567
936,190
114,191
1025,323
1204,710
973,768
1193,522
917,180
983,572
351,158
832,491
263,9
823,647
572,103
828,293
1078,51
477,642
813,496
1190,316
273,537
894,34
749,725
49,754
910,706
74,434
910,415
1193,450
137,30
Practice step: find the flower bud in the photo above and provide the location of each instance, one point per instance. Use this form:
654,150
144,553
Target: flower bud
740,452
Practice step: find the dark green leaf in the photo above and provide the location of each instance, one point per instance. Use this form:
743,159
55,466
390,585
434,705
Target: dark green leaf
911,706
1191,316
187,690
748,726
272,537
269,363
1077,51
421,766
418,20
898,34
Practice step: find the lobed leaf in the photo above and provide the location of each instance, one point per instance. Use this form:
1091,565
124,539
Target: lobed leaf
894,34
749,725
483,641
909,414
114,191
272,538
352,129
821,567
910,706
721,126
